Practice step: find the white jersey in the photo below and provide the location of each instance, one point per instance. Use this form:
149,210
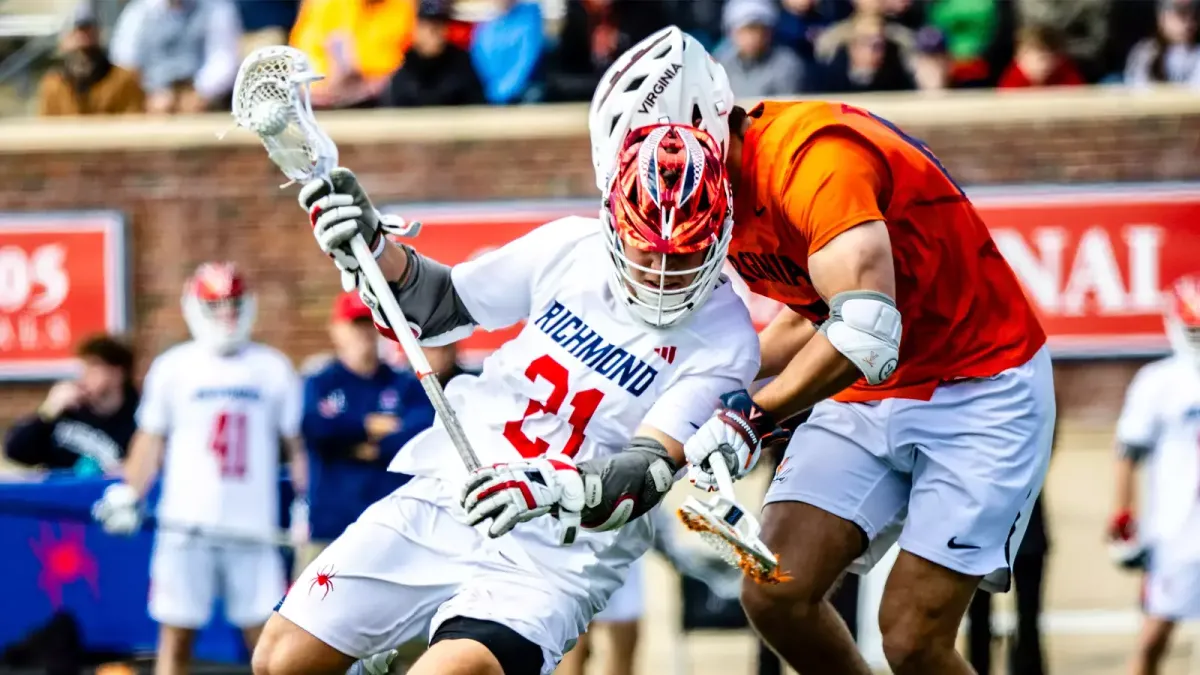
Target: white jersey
1162,414
583,373
222,417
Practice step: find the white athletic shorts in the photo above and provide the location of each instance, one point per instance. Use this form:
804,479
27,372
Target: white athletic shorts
1172,590
409,563
188,573
628,602
953,479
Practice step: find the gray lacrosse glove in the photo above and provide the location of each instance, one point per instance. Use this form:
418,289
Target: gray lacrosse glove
338,210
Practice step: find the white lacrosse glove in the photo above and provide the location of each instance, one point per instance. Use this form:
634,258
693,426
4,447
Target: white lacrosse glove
736,430
517,492
118,511
1124,547
338,209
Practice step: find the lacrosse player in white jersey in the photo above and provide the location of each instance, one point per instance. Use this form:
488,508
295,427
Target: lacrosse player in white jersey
631,335
1160,424
212,413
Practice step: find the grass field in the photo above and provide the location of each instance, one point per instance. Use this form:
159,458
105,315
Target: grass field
1090,606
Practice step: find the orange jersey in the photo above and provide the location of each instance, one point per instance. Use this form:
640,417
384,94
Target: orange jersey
813,170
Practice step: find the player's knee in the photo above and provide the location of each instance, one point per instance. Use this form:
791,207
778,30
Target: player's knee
912,639
504,651
284,648
1153,644
796,600
263,660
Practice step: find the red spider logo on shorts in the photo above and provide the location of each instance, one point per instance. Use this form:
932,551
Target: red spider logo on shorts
324,579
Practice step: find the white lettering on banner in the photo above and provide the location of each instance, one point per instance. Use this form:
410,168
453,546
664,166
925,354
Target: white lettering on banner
22,275
1094,272
1145,269
27,332
1041,273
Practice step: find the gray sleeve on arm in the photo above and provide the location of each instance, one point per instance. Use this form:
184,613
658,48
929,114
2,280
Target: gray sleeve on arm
429,300
1133,452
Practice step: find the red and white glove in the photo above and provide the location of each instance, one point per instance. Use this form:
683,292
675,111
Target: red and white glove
516,492
1123,545
737,430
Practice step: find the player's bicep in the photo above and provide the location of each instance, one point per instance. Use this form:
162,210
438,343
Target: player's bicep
859,259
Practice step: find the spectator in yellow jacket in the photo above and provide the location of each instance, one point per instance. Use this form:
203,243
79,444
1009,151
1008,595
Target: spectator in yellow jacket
356,44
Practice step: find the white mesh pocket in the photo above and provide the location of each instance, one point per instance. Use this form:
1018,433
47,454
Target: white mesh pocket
274,81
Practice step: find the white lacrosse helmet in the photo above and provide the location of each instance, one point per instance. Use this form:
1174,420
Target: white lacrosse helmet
1183,317
218,307
666,78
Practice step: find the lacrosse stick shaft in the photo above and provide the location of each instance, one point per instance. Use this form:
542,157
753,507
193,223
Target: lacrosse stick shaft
720,472
412,350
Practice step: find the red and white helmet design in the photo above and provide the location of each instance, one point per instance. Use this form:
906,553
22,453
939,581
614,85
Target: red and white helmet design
218,306
1183,316
670,195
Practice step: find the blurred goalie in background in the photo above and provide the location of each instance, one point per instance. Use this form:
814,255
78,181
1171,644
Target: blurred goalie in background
1160,424
212,414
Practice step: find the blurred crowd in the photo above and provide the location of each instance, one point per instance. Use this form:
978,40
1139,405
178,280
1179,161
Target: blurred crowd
181,56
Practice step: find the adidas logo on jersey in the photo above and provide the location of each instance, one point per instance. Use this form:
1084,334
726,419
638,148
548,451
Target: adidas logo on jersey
592,350
667,353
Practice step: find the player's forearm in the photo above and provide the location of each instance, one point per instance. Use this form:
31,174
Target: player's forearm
297,466
393,262
813,375
1124,492
141,466
782,340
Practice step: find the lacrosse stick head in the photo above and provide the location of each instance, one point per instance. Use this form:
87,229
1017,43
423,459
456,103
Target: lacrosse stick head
272,98
734,534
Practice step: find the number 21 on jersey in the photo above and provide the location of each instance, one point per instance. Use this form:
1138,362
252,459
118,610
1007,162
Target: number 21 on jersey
583,406
228,443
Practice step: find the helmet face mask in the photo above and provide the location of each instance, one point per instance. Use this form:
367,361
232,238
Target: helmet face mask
667,217
1182,317
218,308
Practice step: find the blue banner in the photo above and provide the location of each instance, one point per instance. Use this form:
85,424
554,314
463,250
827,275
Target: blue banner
55,559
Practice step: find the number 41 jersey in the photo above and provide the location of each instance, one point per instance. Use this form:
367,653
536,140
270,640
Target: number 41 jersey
222,418
583,373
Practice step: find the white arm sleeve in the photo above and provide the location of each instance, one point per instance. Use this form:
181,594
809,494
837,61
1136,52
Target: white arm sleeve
154,410
1138,425
497,287
291,400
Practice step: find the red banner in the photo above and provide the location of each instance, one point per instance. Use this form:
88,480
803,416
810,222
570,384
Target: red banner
1093,260
62,277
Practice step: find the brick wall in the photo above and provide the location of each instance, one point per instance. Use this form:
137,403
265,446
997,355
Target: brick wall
195,200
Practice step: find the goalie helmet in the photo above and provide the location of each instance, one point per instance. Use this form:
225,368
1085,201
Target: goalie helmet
1183,317
667,78
218,307
670,196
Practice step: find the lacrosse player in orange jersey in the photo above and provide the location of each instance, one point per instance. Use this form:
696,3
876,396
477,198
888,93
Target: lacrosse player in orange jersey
905,332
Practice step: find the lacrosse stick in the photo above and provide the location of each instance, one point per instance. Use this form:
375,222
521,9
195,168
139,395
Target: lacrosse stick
272,98
725,526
